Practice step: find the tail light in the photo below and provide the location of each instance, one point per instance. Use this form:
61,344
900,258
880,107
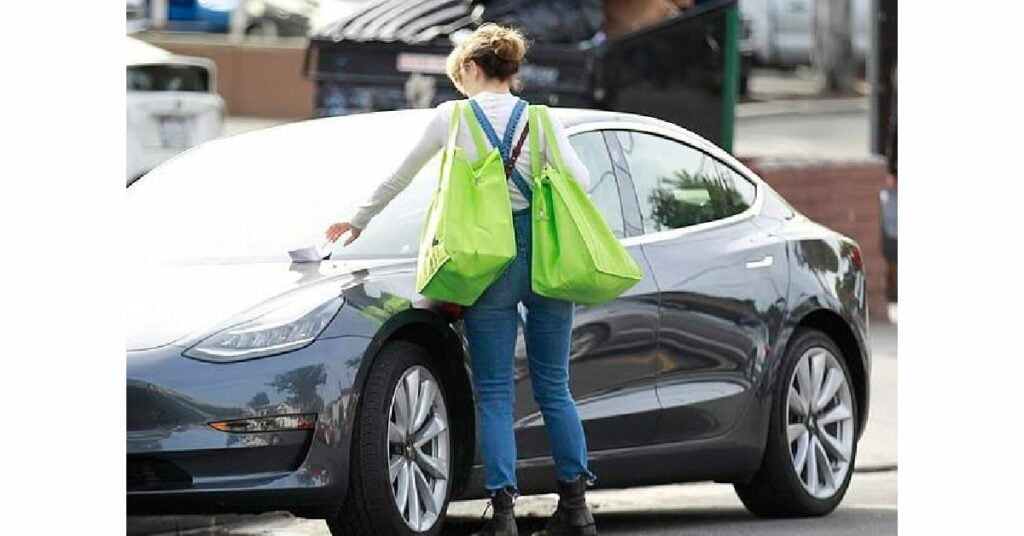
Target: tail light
857,259
452,312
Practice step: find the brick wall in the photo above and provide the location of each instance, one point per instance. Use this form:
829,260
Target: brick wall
840,194
254,80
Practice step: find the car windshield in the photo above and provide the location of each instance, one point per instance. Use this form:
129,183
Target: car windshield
255,196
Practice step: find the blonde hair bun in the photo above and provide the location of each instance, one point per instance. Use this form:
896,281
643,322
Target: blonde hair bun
507,43
498,50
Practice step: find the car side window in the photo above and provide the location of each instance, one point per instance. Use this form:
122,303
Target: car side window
604,189
679,186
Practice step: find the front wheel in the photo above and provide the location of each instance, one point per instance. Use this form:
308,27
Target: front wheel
811,448
401,450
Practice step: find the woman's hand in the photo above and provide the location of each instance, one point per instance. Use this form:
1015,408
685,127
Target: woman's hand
335,231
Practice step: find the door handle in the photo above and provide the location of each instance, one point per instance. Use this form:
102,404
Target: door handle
762,263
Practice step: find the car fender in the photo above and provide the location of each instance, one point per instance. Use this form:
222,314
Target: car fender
428,328
827,291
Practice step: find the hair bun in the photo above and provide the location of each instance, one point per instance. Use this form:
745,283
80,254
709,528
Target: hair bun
498,50
508,45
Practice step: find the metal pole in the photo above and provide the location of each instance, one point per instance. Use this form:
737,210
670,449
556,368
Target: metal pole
158,14
833,51
238,21
730,75
873,80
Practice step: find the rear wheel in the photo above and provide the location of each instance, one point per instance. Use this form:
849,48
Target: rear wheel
812,445
401,449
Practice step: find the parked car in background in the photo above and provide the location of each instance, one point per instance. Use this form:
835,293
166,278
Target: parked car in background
172,105
136,15
213,16
782,31
278,18
332,389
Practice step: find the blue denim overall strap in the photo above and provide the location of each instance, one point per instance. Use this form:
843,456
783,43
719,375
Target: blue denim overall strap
505,147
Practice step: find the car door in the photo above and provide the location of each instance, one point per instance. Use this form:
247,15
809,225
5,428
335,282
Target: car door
612,365
721,279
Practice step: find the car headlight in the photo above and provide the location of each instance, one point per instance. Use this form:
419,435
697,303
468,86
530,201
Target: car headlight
287,322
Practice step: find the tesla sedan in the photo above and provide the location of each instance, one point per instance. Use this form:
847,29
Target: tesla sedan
333,390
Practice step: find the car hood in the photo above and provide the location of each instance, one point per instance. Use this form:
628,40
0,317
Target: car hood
174,303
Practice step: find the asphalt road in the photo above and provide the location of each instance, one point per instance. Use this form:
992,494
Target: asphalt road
695,509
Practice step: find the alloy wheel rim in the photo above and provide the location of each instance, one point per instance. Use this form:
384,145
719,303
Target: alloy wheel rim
819,422
419,448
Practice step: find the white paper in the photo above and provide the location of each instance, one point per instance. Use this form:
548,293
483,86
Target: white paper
311,253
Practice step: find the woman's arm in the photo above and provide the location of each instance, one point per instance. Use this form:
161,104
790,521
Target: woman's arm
430,142
569,156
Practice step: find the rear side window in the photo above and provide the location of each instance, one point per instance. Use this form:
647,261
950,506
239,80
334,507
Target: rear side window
168,78
604,189
679,186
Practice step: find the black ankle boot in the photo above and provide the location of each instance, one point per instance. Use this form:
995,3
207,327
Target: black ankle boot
503,519
572,517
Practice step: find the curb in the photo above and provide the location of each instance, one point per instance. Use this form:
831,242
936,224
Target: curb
188,524
751,110
883,468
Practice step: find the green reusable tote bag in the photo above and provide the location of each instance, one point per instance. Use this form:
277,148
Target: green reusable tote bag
467,238
576,257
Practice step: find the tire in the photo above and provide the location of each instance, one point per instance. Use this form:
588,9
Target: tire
778,489
370,505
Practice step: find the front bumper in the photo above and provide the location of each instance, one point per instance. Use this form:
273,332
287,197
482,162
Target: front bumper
177,463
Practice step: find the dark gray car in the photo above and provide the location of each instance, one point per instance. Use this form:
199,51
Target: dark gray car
332,389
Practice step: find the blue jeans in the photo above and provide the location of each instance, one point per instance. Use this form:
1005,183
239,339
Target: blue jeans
491,329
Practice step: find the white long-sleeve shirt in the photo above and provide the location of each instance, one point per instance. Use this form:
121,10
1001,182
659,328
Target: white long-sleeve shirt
498,109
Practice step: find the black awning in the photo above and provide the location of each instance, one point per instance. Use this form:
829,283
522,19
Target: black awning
419,21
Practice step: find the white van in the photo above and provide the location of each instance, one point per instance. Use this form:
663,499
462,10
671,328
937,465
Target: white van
172,105
782,31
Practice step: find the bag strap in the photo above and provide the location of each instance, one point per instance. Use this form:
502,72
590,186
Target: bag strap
510,128
549,138
474,129
539,117
511,165
534,142
449,148
514,174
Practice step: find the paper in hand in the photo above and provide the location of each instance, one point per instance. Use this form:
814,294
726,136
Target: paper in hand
311,253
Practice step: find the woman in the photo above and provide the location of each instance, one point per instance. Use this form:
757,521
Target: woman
484,67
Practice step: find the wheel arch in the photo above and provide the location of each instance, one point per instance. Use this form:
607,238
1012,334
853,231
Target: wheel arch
832,324
430,331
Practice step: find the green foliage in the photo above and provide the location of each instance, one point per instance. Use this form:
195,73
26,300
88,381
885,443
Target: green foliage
686,199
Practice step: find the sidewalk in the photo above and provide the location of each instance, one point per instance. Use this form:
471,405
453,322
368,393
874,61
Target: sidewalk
877,448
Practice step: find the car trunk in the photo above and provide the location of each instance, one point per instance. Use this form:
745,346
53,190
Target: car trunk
170,107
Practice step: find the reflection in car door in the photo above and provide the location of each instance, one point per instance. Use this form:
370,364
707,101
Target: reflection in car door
611,363
722,290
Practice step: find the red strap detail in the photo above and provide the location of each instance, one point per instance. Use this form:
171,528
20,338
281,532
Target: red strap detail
515,151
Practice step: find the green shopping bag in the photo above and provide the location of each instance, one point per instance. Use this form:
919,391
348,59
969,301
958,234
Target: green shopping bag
467,238
576,257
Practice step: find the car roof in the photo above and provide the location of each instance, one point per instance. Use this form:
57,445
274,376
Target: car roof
571,118
138,52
